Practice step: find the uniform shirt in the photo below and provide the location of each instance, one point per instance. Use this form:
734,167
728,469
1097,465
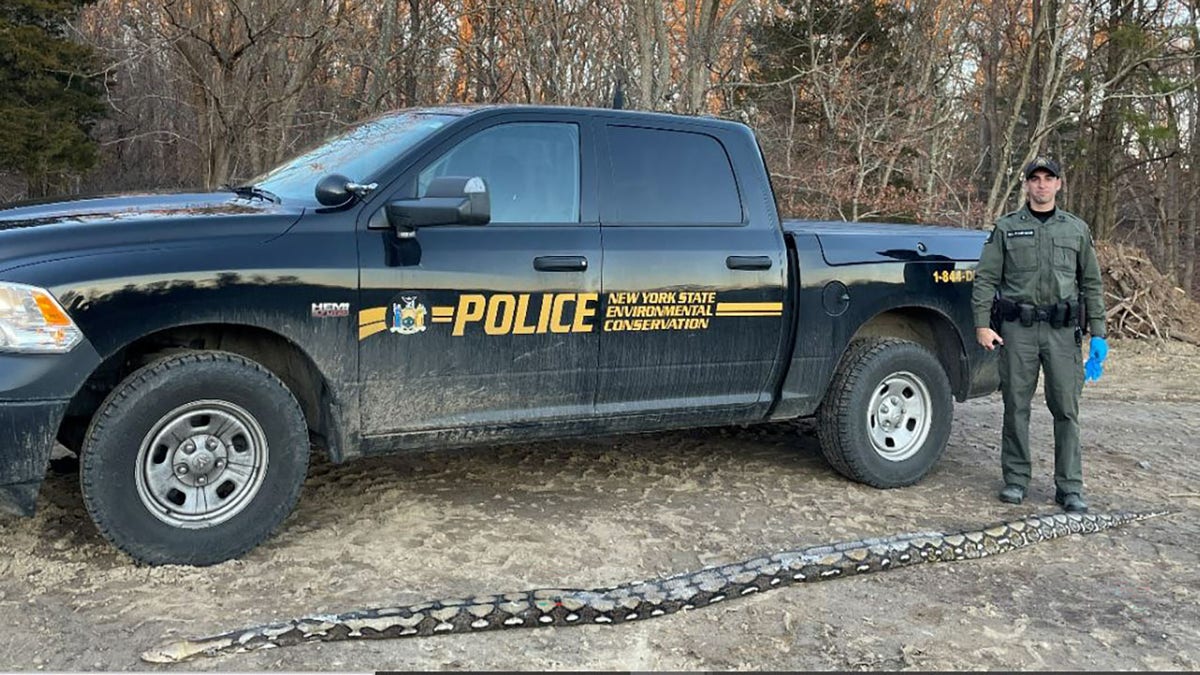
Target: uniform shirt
1039,263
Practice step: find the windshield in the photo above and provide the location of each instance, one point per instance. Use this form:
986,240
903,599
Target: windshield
360,154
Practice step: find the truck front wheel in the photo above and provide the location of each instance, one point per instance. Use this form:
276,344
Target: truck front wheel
887,414
194,459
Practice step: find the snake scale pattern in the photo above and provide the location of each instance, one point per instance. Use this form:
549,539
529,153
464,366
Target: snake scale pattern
642,600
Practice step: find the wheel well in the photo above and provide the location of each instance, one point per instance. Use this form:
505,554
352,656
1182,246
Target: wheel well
276,353
930,329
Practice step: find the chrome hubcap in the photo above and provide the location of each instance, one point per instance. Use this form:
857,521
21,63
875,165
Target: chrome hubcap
899,416
201,464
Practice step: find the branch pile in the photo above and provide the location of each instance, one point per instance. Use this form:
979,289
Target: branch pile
1143,302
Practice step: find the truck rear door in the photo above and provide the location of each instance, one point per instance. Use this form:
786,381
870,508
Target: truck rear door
693,287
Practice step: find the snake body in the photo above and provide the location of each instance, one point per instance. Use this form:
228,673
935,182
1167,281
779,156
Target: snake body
641,600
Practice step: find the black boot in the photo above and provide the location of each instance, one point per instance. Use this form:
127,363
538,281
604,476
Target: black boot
1012,494
1072,502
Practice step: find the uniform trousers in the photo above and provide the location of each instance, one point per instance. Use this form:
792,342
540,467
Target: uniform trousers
1055,352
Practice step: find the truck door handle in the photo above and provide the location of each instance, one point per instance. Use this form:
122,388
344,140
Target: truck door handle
748,262
560,263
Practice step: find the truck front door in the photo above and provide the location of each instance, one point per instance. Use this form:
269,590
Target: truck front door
489,325
693,302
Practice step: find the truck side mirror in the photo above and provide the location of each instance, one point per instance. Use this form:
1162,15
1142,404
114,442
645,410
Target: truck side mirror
449,200
337,190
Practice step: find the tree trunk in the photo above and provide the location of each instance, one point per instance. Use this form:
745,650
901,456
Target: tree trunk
413,45
1001,180
989,120
1192,221
380,70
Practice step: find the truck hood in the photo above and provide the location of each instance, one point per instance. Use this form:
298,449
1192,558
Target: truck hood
845,243
33,232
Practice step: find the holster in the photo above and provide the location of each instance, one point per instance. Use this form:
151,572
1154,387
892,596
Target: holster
1003,310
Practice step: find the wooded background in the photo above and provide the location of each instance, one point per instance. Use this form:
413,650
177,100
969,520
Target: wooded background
902,110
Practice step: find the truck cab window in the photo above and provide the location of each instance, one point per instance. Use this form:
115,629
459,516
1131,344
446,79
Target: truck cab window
531,169
671,177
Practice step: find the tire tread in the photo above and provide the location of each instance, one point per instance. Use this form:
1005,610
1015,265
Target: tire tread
836,415
114,406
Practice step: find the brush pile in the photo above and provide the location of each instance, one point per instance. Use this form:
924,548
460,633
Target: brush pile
1143,302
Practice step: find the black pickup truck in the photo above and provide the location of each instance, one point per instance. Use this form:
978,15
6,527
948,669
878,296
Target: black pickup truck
453,277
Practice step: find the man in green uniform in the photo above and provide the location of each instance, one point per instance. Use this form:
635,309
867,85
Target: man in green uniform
1035,264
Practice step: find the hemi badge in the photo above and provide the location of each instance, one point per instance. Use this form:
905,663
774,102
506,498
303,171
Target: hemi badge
326,310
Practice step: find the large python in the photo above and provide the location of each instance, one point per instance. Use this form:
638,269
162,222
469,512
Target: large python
643,600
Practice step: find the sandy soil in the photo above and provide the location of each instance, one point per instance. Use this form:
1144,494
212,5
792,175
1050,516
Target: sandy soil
603,511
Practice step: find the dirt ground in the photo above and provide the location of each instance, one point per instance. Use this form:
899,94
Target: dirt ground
596,512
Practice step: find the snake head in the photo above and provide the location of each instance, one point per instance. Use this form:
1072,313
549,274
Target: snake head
184,650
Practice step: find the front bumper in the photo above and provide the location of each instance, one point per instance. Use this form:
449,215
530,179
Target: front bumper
27,431
27,438
34,393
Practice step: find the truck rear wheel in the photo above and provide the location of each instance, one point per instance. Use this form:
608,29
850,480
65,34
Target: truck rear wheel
887,414
194,459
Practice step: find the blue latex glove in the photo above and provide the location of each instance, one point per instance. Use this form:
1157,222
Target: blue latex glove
1098,351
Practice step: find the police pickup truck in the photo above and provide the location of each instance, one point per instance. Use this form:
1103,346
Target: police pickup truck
450,277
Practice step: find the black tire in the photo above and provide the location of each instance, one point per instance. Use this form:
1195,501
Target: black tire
855,439
134,462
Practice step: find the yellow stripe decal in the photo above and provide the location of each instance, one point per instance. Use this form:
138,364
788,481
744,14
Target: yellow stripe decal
442,319
443,311
372,315
749,307
370,329
749,313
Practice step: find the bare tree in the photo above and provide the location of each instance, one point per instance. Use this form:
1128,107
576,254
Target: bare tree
1191,42
246,68
922,110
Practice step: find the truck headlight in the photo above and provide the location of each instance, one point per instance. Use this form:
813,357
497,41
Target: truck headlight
32,322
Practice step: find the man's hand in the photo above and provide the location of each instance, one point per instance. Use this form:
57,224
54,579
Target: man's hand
988,338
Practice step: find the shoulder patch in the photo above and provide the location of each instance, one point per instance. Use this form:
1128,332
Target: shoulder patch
1019,233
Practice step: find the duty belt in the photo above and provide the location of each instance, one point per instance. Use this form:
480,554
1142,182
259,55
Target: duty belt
1062,314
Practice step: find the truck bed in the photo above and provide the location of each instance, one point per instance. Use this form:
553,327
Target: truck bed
845,243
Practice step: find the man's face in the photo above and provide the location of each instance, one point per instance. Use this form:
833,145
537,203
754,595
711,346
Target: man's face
1042,187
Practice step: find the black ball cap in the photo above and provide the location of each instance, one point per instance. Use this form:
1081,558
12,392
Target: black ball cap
1045,164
